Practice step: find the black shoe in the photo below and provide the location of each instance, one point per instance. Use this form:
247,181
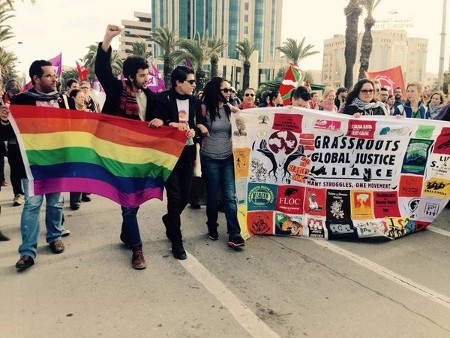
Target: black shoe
86,198
179,252
24,262
3,237
213,234
75,206
235,241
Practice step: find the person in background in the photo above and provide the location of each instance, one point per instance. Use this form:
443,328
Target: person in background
271,99
91,104
341,96
384,94
179,108
390,103
413,106
377,88
248,100
71,84
300,97
129,98
328,100
312,104
216,156
360,100
234,99
398,93
43,93
15,162
435,105
79,98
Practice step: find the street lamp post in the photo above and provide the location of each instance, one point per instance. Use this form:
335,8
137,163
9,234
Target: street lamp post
442,50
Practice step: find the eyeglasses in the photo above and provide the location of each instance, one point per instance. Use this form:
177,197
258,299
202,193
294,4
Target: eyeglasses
366,91
84,87
191,82
226,90
248,94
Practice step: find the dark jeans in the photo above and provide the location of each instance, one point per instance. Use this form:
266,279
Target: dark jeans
15,164
178,190
219,175
130,227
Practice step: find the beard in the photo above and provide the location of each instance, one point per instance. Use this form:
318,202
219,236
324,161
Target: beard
138,85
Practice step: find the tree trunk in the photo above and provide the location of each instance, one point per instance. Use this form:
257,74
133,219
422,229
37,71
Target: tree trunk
167,72
352,13
246,76
366,47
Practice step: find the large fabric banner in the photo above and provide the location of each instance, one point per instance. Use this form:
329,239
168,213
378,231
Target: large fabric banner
121,159
390,79
309,173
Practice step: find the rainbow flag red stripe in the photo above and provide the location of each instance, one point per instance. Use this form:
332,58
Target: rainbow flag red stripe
69,151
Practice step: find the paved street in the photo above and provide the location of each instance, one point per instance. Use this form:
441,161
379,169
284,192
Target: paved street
274,287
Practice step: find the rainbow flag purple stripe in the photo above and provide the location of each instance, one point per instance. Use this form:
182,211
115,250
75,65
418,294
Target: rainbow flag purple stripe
69,151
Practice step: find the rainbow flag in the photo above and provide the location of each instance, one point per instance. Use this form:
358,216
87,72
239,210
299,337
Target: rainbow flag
71,151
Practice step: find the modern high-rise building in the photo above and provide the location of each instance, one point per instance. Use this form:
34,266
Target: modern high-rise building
259,21
390,48
137,30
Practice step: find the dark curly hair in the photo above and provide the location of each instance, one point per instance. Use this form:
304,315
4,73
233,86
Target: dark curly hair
132,64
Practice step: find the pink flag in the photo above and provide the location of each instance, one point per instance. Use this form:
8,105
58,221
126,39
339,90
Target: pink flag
57,63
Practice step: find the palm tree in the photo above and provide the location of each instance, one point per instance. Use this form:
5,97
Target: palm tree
7,60
89,61
366,43
352,13
198,52
295,51
139,48
245,49
168,41
216,46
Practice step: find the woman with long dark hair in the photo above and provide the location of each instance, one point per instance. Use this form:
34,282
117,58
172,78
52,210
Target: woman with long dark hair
217,163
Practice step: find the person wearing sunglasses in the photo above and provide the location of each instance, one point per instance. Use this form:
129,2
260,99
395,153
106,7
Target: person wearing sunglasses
179,108
216,155
248,99
361,101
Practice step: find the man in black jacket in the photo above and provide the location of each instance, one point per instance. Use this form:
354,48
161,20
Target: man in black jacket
132,99
178,108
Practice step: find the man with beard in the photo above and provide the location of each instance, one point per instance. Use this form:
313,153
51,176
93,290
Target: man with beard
129,98
44,94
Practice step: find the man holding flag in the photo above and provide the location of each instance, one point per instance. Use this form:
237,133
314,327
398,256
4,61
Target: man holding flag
43,93
129,98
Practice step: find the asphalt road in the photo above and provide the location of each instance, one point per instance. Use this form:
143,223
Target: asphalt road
274,287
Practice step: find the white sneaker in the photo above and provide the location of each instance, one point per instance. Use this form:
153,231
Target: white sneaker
65,232
18,200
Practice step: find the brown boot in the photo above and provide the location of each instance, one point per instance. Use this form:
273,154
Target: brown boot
138,261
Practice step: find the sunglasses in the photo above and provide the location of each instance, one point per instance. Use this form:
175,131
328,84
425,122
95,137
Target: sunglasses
248,94
366,91
191,81
226,90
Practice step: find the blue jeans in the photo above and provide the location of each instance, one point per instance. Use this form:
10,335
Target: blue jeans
130,227
220,173
29,222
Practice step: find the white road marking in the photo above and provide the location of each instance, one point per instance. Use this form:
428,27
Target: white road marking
438,231
391,275
244,316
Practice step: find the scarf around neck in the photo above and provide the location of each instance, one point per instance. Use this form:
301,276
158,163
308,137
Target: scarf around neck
367,106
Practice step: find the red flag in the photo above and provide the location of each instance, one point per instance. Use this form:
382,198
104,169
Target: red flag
390,78
82,71
290,82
